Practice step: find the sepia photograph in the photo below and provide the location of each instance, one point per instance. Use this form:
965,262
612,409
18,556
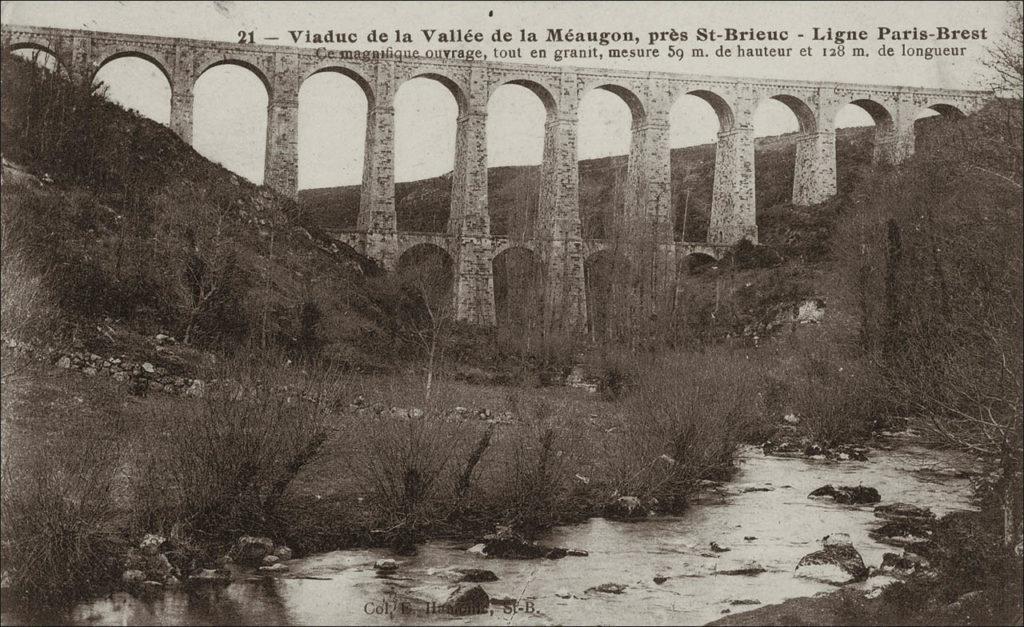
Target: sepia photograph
512,313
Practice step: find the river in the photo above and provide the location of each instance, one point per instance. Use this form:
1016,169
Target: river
773,522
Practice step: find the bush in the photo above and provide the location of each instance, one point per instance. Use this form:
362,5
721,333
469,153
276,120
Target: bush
836,396
59,525
223,469
536,484
407,478
684,418
746,255
616,372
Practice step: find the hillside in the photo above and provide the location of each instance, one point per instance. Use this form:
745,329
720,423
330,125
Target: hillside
120,222
125,225
513,191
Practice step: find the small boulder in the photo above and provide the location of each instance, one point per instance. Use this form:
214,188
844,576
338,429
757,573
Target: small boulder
252,549
64,362
716,548
151,543
784,448
283,553
848,495
270,560
744,567
506,543
133,577
902,532
477,549
465,600
660,579
195,389
903,565
838,562
385,565
274,568
625,508
791,419
904,511
845,452
609,588
476,575
148,367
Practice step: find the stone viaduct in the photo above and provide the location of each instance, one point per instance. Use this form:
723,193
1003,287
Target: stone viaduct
646,223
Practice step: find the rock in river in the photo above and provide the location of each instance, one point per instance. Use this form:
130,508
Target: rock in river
903,565
385,566
904,511
283,553
252,549
737,567
625,508
476,575
838,562
609,588
465,601
902,532
850,495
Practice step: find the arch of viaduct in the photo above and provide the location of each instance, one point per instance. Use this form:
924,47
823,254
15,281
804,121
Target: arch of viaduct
556,238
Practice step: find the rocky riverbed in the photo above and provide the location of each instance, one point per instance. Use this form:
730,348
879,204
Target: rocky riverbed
757,540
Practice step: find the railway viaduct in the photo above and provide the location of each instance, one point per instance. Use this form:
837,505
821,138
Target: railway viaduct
645,230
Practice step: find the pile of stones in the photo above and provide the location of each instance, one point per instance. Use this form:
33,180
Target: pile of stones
141,377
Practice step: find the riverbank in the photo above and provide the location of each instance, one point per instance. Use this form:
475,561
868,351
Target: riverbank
660,571
975,583
320,460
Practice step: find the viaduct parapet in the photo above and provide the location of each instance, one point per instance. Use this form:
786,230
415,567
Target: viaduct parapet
556,237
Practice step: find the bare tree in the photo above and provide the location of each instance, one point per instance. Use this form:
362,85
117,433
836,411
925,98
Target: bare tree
1005,59
428,319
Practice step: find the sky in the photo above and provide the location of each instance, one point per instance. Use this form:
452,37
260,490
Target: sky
332,108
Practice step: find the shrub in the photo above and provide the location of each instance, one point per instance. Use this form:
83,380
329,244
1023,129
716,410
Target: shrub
25,309
536,483
616,372
406,475
223,469
837,396
59,525
747,255
684,419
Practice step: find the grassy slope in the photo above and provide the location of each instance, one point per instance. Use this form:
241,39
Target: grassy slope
113,240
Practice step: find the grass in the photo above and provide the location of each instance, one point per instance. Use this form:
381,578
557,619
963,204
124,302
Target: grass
279,451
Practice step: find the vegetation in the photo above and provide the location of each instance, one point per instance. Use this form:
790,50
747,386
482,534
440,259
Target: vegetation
934,256
336,382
